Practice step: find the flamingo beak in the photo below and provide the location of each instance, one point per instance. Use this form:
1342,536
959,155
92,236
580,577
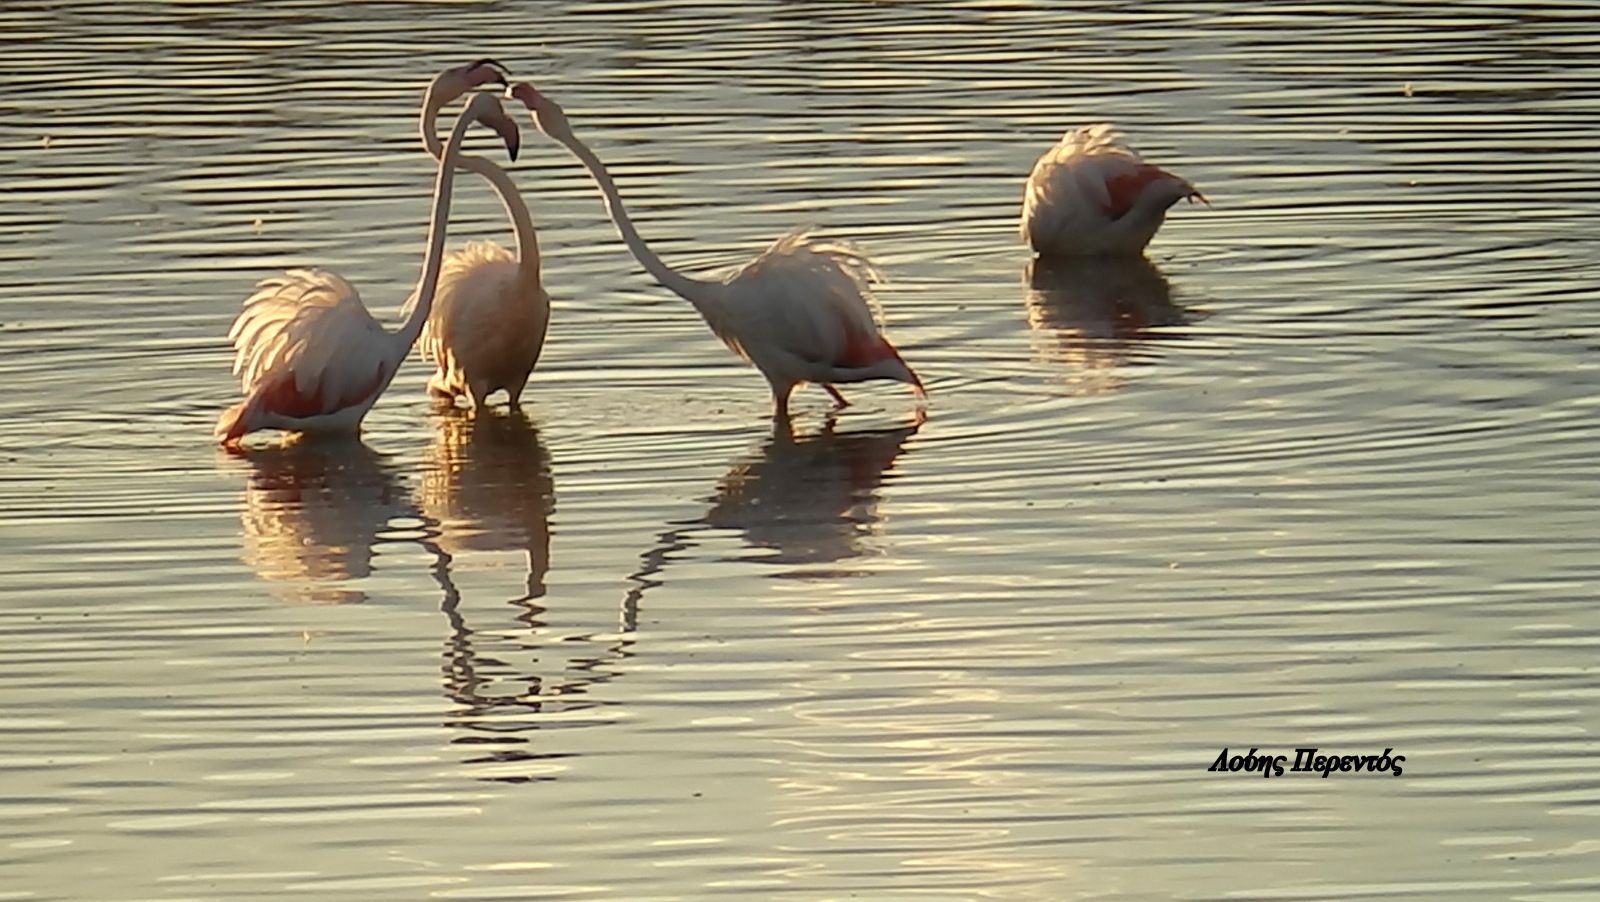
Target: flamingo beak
487,72
506,128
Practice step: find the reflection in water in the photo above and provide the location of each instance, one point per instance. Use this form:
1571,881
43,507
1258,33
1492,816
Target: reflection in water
312,513
1088,313
487,485
810,499
497,697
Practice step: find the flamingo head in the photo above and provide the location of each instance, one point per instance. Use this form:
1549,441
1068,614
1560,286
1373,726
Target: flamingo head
452,83
547,114
485,108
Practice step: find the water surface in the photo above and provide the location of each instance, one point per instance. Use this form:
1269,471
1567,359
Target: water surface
1320,473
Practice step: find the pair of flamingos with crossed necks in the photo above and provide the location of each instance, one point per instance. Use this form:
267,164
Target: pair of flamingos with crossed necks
312,359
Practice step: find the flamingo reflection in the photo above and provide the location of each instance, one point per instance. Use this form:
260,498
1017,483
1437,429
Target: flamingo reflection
809,499
313,511
487,485
1089,313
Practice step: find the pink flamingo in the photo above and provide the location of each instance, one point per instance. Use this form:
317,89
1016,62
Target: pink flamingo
1091,194
309,356
801,312
490,313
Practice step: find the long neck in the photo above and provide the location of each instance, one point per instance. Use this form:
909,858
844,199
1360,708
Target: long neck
692,290
437,221
516,210
522,229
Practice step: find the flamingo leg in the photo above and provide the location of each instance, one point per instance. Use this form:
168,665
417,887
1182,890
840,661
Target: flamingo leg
780,403
783,430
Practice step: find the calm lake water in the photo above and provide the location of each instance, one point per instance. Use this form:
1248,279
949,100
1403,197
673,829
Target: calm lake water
1321,475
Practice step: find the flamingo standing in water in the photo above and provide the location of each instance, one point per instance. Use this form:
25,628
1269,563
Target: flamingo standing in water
801,312
490,313
309,356
1091,194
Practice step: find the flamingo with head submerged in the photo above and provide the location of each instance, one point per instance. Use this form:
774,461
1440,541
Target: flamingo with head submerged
309,356
1091,194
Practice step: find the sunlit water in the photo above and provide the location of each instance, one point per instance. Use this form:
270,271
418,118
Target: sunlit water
1323,474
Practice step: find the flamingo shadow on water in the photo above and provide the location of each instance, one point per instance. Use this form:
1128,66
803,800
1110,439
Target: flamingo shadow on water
496,697
499,699
313,513
1090,313
810,500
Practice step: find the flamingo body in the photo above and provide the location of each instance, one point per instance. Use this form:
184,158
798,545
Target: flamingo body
309,356
487,327
1092,194
803,312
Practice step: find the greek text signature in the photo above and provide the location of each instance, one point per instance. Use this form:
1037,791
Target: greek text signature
1307,761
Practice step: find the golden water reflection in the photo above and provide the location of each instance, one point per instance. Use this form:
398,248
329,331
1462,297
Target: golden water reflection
312,513
1089,314
487,486
810,500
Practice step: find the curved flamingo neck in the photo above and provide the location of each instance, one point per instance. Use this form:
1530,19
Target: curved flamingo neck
438,219
694,291
522,228
527,237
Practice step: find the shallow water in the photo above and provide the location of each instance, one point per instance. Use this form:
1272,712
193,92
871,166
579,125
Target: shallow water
1322,474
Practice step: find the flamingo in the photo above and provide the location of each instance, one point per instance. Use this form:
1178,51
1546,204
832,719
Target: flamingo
309,356
801,312
1091,194
490,313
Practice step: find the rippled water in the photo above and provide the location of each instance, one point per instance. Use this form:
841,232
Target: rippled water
1320,475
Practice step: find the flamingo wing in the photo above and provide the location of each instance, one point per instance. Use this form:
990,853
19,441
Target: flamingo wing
1092,171
810,296
805,309
488,323
477,290
305,345
1092,193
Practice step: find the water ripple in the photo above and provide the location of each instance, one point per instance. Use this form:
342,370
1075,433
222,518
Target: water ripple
1316,474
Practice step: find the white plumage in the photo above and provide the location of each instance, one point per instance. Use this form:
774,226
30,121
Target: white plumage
487,327
803,308
1092,194
308,355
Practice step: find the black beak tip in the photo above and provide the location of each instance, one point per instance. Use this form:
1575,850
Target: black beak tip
501,73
